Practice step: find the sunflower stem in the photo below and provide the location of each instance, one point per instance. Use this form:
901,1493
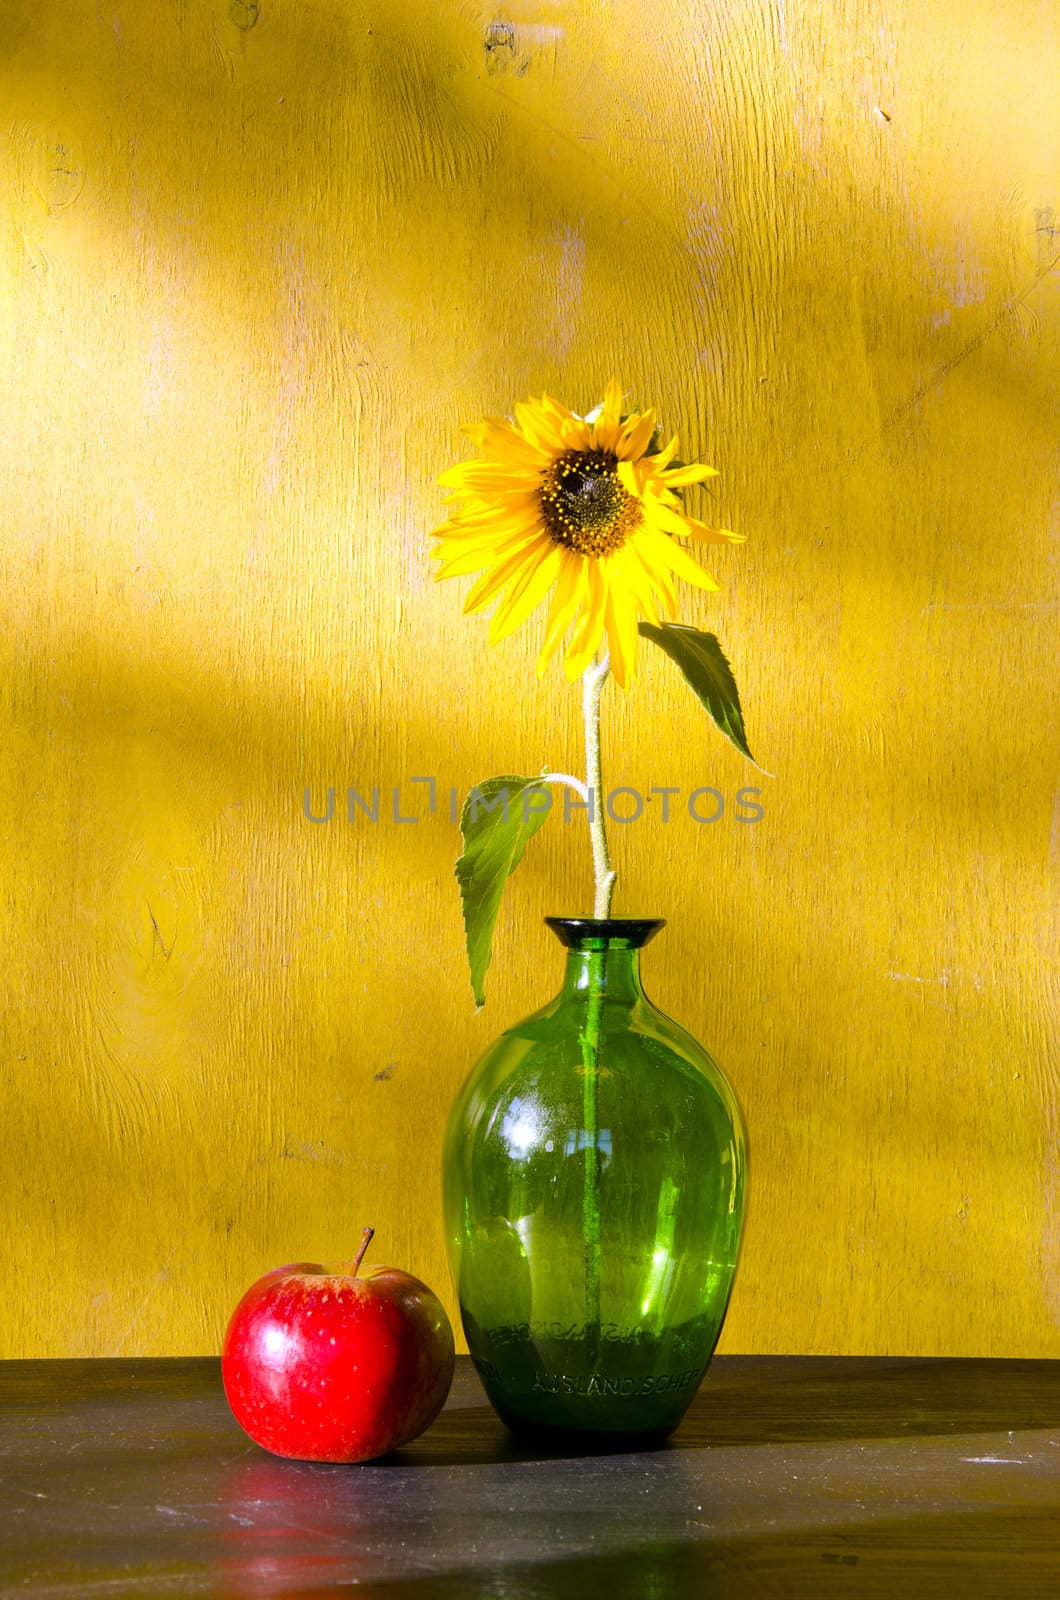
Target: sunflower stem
590,1048
570,782
592,686
593,680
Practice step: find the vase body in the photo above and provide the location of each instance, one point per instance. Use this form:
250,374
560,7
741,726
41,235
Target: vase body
594,1187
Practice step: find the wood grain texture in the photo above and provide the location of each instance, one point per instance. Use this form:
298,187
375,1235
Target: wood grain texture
258,263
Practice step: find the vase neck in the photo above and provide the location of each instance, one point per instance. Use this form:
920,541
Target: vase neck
615,974
603,957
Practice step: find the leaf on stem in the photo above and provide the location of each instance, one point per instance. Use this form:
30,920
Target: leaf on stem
500,815
703,665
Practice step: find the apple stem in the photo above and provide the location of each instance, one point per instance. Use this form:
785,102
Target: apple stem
366,1239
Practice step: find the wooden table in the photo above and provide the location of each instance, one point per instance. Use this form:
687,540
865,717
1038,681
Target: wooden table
790,1477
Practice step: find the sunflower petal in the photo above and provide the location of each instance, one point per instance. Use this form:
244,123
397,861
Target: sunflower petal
555,408
697,472
539,427
461,530
662,458
641,585
491,583
636,436
658,513
627,477
498,435
587,635
481,475
608,426
577,435
680,563
483,553
657,576
708,535
526,593
465,503
463,560
664,517
565,602
621,623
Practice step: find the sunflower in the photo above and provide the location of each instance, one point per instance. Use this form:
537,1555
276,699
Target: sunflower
579,507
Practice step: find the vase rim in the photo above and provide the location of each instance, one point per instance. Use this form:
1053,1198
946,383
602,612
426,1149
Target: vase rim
589,932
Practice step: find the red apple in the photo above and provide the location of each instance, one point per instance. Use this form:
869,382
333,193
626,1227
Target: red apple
323,1365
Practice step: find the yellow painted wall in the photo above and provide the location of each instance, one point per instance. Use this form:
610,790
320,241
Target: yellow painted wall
258,263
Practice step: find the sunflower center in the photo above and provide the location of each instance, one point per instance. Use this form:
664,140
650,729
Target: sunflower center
584,506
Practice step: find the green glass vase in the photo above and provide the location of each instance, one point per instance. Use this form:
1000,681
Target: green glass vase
594,1189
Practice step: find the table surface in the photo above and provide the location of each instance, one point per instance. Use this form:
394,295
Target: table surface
790,1476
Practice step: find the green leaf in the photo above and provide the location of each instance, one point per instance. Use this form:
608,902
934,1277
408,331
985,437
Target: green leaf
500,815
703,664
